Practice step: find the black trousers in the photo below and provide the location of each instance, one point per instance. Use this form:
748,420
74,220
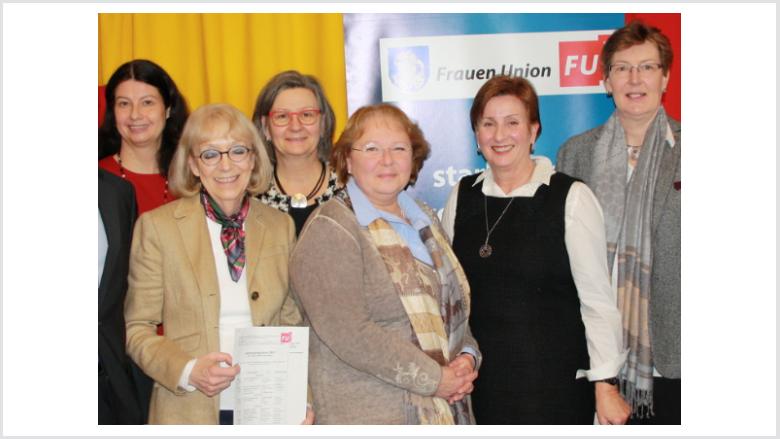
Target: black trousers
113,409
143,389
106,411
226,417
666,404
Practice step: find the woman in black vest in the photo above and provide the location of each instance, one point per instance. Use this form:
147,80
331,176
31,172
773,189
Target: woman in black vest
532,244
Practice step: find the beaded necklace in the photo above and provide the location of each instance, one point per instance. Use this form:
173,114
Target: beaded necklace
124,176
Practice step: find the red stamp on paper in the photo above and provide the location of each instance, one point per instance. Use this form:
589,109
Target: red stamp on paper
286,337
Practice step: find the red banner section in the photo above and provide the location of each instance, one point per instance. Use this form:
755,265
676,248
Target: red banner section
669,24
101,103
579,62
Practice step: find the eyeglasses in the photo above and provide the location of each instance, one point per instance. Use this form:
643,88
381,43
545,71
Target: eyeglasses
282,118
373,150
237,154
623,70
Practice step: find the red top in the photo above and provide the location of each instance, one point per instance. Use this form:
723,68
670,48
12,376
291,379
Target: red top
150,190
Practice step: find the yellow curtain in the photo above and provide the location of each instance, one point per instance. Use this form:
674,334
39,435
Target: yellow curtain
229,57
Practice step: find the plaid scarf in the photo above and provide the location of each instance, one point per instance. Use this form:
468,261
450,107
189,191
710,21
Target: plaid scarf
439,316
232,234
628,210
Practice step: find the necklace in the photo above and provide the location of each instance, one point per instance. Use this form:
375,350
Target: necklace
486,250
124,176
633,152
298,200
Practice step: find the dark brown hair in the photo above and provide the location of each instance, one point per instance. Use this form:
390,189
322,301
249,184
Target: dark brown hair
142,70
518,87
634,34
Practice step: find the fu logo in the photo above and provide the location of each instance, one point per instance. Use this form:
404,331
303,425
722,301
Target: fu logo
579,62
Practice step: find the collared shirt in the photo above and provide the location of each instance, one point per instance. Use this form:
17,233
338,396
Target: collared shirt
366,213
586,243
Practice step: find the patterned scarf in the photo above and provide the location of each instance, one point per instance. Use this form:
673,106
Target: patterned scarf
628,210
439,317
232,234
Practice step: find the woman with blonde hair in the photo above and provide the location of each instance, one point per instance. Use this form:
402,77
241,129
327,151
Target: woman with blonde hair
209,263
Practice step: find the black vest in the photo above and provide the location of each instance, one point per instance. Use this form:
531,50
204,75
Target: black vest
525,311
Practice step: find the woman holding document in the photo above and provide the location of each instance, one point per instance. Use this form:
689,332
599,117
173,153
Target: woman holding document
211,262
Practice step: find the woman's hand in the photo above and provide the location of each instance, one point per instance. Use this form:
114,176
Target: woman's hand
211,378
610,406
463,361
464,365
454,381
309,420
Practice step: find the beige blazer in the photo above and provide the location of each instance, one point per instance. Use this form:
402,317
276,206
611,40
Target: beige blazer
173,280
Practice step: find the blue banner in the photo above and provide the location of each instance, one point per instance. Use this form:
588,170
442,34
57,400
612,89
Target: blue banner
431,66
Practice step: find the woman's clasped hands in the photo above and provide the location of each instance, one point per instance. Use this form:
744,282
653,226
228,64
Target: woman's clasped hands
457,378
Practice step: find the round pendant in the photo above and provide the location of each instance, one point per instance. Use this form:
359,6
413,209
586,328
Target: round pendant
298,201
486,250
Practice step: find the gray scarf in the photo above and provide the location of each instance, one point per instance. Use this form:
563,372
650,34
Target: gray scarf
628,210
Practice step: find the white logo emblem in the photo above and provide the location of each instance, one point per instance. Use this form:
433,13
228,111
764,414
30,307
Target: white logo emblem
408,67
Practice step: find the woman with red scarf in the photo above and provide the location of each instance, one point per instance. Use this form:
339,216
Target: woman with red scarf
211,262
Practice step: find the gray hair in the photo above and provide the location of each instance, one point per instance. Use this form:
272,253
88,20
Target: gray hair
284,81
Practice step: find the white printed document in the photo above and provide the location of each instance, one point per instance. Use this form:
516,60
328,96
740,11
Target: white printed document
271,387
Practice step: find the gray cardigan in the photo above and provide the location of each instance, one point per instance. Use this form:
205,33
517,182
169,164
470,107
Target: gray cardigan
361,358
575,159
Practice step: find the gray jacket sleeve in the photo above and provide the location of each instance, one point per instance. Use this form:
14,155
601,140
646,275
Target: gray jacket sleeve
327,274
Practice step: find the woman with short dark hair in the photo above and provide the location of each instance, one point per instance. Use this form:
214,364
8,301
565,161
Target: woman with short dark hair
531,242
632,163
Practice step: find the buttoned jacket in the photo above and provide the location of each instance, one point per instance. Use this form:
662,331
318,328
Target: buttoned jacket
173,280
576,159
116,203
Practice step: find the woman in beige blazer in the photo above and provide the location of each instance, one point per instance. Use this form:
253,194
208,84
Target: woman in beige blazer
212,261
